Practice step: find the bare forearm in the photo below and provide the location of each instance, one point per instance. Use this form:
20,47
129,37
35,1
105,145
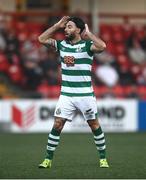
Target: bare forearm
98,43
48,33
45,36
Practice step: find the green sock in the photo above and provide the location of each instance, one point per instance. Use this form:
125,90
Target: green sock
100,142
53,141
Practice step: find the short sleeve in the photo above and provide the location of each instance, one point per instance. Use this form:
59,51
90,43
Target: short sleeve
57,45
88,47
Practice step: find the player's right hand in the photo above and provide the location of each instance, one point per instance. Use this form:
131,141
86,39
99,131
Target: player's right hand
63,21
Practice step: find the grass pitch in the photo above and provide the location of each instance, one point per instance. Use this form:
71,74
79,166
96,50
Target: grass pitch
75,157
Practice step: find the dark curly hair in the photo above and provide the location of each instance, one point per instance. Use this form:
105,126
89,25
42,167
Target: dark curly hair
78,22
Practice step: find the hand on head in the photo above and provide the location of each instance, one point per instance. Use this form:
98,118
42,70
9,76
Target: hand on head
63,21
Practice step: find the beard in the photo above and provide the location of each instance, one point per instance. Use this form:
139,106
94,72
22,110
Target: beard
70,37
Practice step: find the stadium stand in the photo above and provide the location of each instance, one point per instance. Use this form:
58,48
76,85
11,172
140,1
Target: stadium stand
35,70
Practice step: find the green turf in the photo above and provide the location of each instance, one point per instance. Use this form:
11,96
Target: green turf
76,156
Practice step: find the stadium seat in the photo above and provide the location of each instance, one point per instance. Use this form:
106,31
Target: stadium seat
15,74
111,48
116,28
136,70
118,37
4,64
20,26
59,35
142,92
23,36
119,91
120,48
54,91
123,60
106,36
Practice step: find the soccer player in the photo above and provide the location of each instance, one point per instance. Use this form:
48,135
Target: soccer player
76,89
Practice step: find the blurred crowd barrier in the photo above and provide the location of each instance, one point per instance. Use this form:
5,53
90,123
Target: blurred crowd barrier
29,70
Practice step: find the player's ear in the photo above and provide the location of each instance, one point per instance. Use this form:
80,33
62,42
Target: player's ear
78,30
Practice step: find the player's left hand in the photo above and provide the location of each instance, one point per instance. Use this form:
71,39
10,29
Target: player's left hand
86,33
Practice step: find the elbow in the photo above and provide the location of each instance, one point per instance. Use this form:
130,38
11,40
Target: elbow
103,46
40,39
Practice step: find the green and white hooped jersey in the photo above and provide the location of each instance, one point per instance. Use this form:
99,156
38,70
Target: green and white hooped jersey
76,64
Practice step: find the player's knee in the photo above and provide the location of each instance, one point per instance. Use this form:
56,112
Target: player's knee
94,124
58,124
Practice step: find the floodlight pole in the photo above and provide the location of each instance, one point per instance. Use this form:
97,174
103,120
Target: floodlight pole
94,15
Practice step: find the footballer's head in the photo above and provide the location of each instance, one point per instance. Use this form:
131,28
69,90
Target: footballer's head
74,27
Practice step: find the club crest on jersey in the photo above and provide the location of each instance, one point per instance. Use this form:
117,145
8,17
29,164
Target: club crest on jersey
79,49
58,111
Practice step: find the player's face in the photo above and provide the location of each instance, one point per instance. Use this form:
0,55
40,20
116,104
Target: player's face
70,30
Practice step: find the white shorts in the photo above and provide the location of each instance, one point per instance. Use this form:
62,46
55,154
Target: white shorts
67,107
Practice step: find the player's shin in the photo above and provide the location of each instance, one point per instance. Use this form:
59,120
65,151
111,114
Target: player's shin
99,140
53,141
